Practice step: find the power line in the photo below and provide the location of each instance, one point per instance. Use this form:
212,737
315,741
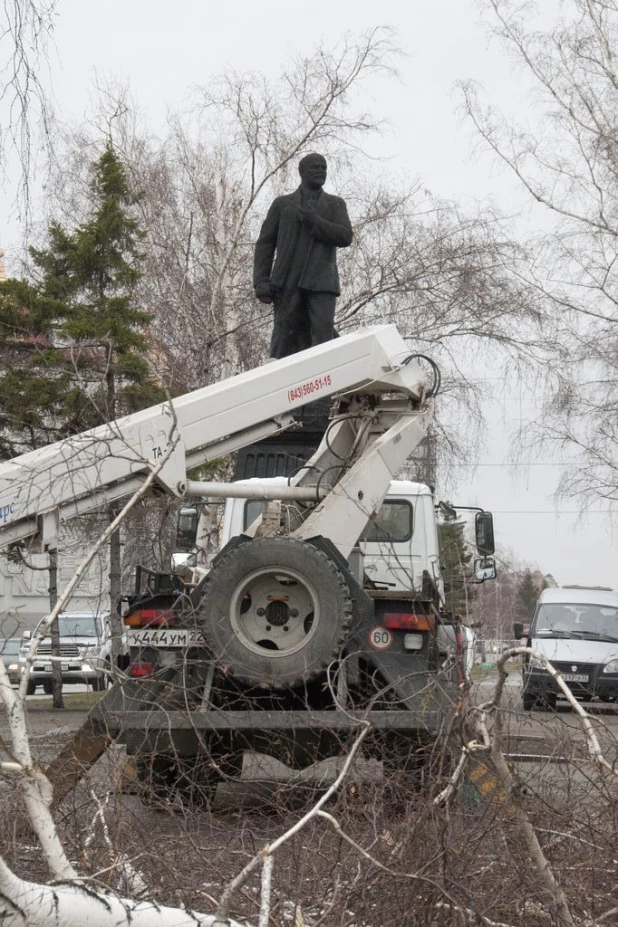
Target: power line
582,512
536,464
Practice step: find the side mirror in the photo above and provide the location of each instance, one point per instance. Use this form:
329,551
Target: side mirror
485,568
518,630
484,530
26,636
183,562
186,528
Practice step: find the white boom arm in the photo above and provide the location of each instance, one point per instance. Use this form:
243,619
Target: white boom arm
84,472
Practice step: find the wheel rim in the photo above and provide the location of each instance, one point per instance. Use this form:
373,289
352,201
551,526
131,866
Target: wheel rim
274,612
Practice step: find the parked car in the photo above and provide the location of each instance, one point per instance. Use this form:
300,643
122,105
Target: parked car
9,652
85,652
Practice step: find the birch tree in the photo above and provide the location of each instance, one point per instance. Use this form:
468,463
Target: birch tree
448,277
25,107
566,160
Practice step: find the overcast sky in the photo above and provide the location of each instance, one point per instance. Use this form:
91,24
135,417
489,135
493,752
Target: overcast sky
163,50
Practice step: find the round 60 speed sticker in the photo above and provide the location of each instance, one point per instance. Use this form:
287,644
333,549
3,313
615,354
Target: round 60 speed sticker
380,638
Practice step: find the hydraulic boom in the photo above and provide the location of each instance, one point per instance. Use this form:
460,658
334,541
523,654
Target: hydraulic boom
86,471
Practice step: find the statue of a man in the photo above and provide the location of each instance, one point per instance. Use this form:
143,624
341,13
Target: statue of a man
295,265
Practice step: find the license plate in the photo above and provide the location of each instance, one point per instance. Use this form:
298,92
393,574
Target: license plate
164,637
63,666
574,677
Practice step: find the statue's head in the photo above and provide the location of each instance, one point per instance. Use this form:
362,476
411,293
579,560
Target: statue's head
312,169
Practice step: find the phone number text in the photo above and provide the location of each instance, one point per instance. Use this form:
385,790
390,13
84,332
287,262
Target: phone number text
311,386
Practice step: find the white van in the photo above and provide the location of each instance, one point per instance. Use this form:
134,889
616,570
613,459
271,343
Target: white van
576,629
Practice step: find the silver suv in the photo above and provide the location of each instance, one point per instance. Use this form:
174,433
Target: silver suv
85,652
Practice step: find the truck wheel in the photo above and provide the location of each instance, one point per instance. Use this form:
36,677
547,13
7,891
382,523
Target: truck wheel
275,612
48,687
99,684
31,688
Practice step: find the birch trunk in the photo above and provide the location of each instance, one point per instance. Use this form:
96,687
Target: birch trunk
28,904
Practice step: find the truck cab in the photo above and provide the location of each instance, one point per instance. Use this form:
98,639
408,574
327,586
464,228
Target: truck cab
398,545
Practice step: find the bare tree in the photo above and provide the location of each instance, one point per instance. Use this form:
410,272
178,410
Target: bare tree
450,279
24,99
567,161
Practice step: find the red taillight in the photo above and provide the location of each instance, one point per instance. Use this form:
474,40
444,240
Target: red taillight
149,618
139,669
395,621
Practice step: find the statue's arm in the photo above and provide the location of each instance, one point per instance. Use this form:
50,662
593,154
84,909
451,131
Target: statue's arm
336,230
265,247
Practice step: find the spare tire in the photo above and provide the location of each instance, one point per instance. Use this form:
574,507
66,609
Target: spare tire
275,612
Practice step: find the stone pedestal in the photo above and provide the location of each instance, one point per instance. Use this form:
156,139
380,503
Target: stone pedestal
284,454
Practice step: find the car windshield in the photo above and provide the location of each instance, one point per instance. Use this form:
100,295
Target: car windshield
590,622
77,626
10,647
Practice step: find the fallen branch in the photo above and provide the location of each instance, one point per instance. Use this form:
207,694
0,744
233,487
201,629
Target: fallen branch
594,747
37,789
28,904
269,849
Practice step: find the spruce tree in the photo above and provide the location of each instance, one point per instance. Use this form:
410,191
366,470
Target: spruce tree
528,591
94,272
35,389
455,559
80,330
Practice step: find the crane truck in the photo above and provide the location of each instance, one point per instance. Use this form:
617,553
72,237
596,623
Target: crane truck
285,645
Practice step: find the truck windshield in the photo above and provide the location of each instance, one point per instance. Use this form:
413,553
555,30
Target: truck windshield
592,622
77,626
393,522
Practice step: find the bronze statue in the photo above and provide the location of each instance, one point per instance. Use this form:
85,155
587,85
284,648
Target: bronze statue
295,265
